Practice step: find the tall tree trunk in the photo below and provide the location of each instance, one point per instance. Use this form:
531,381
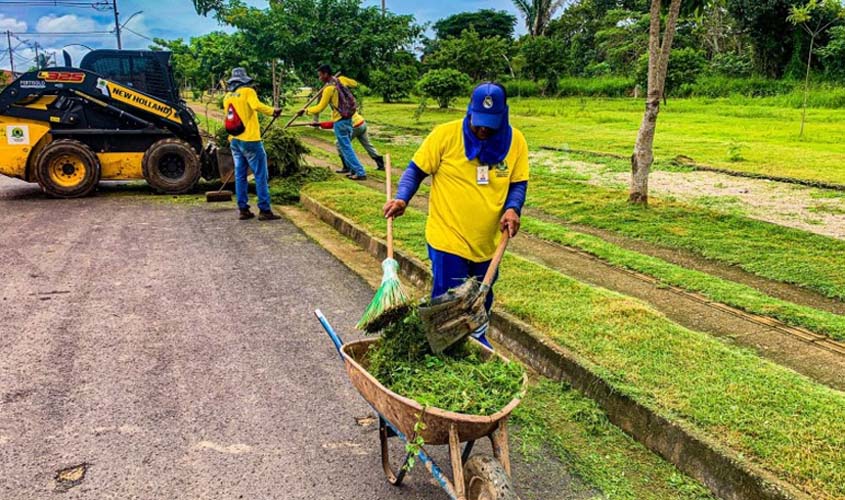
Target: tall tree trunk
658,64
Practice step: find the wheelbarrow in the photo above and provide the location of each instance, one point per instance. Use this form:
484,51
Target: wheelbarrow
476,477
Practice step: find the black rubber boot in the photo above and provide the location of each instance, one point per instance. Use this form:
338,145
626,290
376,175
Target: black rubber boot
345,169
379,162
246,214
268,215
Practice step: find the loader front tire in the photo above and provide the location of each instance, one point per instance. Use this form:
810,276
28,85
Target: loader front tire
171,166
67,169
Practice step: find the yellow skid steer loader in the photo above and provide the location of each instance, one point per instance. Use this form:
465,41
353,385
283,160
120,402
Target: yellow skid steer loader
118,116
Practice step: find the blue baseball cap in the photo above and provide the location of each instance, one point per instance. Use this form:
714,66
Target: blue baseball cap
488,106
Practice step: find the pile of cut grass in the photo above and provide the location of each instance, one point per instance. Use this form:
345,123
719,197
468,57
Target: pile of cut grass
458,380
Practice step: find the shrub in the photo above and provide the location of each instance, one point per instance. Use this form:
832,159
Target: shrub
605,86
722,86
733,65
395,82
444,85
522,88
685,66
481,58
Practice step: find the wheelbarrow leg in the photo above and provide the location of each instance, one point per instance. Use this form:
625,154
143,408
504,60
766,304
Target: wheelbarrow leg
499,440
385,433
467,451
457,462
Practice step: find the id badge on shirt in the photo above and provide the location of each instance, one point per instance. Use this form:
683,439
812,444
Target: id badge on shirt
482,176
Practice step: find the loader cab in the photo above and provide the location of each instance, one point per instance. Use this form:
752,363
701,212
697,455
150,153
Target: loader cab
145,70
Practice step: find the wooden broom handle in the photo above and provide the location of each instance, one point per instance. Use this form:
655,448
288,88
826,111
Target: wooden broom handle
313,98
388,188
497,258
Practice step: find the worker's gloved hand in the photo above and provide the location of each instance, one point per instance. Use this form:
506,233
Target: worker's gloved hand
277,112
510,221
394,208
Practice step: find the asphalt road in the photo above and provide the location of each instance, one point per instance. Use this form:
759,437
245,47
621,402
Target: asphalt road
172,351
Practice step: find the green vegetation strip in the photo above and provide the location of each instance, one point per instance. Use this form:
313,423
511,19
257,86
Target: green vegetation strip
769,415
554,417
716,289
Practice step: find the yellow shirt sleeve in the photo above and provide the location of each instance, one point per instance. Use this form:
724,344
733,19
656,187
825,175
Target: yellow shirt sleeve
520,169
255,104
430,153
347,82
325,100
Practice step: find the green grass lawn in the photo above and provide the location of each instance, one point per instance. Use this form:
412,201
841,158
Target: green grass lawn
709,131
771,416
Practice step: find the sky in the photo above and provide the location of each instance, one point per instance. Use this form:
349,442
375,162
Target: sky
178,19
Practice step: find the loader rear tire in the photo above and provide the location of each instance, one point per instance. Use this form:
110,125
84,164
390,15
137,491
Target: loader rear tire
171,166
67,169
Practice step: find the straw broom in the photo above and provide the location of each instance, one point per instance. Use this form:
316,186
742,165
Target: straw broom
390,303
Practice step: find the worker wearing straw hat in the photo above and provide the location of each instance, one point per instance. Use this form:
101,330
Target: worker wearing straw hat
479,171
247,148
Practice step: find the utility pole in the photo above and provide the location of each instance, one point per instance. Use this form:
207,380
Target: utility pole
37,59
11,52
116,24
383,7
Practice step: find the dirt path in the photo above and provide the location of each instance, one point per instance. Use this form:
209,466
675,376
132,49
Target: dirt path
171,351
820,211
716,319
679,257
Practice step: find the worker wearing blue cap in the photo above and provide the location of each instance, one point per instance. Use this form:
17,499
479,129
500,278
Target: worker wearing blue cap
479,176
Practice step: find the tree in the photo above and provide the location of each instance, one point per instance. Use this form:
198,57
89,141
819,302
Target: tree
487,22
772,36
444,85
658,64
480,58
538,13
396,80
816,17
833,54
304,33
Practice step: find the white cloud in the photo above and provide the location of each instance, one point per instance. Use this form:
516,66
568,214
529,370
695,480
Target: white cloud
11,24
68,22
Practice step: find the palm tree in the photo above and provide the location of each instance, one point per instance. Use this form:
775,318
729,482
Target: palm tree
538,13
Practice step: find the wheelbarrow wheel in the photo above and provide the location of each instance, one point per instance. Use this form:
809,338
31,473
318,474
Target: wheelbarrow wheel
485,479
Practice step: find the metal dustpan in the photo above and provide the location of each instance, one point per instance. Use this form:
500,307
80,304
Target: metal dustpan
451,317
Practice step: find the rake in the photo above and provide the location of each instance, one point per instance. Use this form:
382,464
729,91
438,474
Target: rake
459,312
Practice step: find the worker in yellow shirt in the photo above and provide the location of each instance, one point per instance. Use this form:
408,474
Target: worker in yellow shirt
348,123
479,177
242,106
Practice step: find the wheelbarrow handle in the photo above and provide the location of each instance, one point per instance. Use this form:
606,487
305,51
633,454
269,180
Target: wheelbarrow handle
338,343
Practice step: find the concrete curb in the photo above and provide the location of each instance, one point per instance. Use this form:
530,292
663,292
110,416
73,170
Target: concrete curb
718,468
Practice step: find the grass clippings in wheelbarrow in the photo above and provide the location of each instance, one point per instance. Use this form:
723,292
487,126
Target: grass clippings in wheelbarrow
458,380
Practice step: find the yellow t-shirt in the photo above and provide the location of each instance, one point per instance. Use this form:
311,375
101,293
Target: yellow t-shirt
463,214
247,106
329,98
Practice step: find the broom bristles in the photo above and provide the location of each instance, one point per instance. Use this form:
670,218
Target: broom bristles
390,302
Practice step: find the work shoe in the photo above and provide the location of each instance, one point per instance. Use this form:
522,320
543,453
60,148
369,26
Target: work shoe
354,177
268,215
345,169
379,162
246,214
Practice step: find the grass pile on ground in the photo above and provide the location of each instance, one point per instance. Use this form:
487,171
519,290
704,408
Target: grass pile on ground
767,414
458,380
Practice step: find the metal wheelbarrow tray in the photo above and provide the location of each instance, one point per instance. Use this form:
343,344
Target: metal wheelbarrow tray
473,478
